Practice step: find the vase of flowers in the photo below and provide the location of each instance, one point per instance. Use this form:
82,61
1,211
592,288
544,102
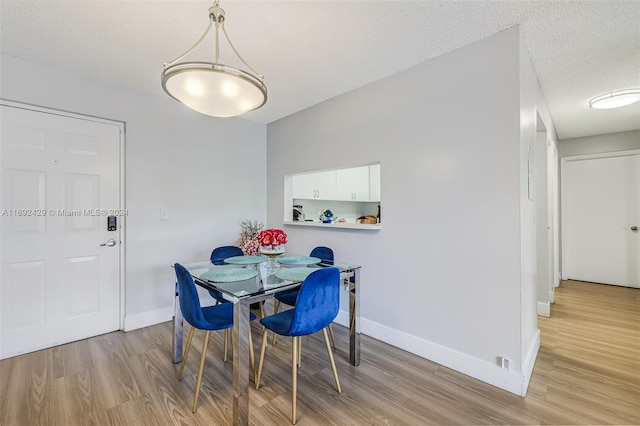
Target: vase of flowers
249,231
272,243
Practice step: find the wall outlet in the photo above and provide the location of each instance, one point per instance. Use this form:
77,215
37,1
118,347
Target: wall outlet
164,214
504,362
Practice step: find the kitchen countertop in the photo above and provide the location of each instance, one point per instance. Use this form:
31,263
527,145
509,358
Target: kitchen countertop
336,225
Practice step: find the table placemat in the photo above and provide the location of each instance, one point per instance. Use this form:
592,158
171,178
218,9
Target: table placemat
294,274
246,260
298,260
227,275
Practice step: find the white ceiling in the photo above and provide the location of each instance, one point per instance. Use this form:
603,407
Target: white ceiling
310,51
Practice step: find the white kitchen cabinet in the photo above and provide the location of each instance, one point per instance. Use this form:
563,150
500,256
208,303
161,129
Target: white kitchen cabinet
374,182
352,184
319,185
359,184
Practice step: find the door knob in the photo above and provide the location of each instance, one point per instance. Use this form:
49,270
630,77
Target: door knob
634,228
109,243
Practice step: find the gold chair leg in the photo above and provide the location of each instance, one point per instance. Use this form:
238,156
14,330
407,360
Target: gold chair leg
186,353
299,351
276,309
263,346
333,338
294,377
261,309
199,380
226,333
333,364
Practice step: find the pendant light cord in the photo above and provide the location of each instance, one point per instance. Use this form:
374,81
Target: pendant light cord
238,54
216,15
168,64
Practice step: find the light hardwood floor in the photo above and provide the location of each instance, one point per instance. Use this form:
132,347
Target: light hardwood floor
587,372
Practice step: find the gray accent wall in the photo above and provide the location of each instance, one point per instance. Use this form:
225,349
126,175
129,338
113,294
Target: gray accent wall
451,274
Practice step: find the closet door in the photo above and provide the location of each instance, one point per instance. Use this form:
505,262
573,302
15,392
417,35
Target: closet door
601,217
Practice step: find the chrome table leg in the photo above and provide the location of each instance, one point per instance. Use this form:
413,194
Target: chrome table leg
177,331
354,320
240,342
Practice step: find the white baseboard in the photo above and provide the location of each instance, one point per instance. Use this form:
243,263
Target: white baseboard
552,296
145,319
488,372
342,318
529,362
544,309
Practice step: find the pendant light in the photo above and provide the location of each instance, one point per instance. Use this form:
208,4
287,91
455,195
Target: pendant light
212,88
615,99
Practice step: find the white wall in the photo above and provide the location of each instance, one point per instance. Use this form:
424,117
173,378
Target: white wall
541,223
528,260
536,128
442,278
208,173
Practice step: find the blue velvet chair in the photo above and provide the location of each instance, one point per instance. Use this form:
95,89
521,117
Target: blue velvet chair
315,309
289,297
218,317
218,255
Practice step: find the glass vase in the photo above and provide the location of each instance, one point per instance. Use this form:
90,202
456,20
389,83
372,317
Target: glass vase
272,252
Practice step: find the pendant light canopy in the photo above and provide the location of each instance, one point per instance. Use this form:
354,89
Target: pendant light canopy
212,88
616,99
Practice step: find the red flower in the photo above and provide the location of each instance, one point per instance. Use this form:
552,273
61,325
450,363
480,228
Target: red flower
272,237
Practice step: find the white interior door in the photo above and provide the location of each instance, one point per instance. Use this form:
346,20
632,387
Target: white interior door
60,182
600,208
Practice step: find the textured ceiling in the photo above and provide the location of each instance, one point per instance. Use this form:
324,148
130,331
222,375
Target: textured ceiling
310,51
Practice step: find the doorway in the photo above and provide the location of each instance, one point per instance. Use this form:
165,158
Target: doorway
547,212
600,218
62,227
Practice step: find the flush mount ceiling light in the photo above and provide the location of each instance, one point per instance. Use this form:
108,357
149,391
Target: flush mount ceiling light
615,99
210,87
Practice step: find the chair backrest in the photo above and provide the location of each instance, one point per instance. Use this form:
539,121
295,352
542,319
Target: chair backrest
188,296
318,302
219,254
323,253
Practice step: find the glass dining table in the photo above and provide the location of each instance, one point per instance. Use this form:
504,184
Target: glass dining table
244,280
